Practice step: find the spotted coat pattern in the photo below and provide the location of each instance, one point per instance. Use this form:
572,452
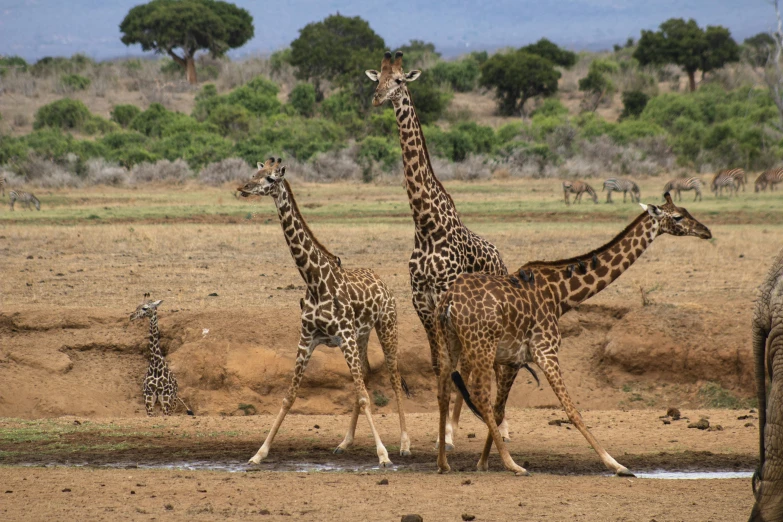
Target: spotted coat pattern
340,309
159,385
578,188
485,320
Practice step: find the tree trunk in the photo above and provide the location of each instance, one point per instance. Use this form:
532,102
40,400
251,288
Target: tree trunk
190,68
692,80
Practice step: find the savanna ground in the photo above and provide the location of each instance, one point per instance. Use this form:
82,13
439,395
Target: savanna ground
71,363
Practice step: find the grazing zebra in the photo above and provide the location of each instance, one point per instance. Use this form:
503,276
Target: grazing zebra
578,188
725,179
621,185
25,198
769,177
2,183
739,177
677,185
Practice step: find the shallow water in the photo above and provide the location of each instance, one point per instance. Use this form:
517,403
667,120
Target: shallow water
693,475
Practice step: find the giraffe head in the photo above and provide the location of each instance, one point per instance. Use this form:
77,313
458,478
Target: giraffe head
676,220
145,309
391,80
267,181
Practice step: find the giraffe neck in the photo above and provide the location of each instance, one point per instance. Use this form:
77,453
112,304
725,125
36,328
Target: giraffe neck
430,203
311,257
577,279
156,355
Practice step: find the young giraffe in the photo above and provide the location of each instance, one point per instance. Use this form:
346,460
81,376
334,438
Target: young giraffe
443,247
340,309
485,320
160,383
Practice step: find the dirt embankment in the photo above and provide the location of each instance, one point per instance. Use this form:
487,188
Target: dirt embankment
90,362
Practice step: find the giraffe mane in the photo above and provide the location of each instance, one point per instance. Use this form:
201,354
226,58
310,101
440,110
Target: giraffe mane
295,209
589,256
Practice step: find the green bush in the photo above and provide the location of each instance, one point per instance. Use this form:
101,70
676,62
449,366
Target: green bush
97,125
50,66
230,119
508,132
124,114
634,103
156,120
75,82
461,141
629,131
343,109
302,99
206,101
430,101
383,123
8,63
64,114
291,136
460,75
550,107
378,149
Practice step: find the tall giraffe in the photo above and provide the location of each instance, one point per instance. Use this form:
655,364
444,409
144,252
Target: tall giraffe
159,383
443,247
486,320
340,309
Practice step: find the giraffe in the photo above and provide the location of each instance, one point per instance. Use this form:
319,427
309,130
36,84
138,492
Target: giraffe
443,246
340,309
159,383
485,320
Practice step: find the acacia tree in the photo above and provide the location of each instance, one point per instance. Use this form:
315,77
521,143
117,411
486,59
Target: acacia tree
517,77
549,50
772,73
687,45
337,49
597,84
189,25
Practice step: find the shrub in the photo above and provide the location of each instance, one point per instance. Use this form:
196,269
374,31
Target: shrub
156,121
163,171
302,99
102,172
550,107
430,101
259,96
64,114
383,123
460,75
230,169
377,149
291,136
124,114
632,130
75,82
343,109
8,63
230,119
634,103
50,66
197,149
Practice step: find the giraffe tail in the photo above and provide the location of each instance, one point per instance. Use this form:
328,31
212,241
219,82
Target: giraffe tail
533,373
405,387
190,412
463,390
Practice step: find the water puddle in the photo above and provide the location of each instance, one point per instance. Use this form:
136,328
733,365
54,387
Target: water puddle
228,466
693,475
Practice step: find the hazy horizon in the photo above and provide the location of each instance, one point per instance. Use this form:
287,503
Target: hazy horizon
33,29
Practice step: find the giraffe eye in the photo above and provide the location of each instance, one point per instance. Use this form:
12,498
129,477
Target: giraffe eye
678,218
270,179
399,81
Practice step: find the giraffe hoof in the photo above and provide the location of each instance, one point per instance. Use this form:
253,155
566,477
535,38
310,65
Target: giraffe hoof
254,460
449,447
405,453
507,439
523,473
338,451
385,464
625,473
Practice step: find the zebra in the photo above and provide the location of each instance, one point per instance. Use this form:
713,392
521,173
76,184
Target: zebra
769,177
578,188
679,184
740,177
725,179
25,198
3,183
622,185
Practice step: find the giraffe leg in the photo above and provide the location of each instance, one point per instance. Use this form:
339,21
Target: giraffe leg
166,404
304,351
545,355
353,358
506,375
348,440
149,402
452,425
444,397
387,335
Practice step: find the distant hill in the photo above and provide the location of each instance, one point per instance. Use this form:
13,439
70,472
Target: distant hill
36,28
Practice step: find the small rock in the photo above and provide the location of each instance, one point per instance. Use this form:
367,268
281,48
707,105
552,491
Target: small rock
77,423
133,492
749,425
8,491
471,435
412,518
559,422
383,482
703,424
466,483
717,427
30,257
317,427
213,294
752,411
674,413
264,512
201,490
667,421
468,518
67,490
744,417
168,507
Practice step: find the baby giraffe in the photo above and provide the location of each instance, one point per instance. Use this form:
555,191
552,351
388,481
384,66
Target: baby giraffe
160,383
485,320
340,309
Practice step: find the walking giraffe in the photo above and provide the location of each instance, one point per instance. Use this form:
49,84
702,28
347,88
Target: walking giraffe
340,309
578,188
679,184
726,179
159,384
26,198
443,246
769,178
621,185
486,320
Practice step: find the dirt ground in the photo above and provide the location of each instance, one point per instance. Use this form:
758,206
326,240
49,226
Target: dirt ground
568,481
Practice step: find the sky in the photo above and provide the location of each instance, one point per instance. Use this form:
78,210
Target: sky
36,28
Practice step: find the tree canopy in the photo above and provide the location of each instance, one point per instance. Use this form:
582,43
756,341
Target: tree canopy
597,84
189,25
687,45
518,76
337,49
758,48
549,50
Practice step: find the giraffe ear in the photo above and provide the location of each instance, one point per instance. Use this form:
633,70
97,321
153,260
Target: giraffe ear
260,165
644,207
372,74
156,303
281,173
652,210
411,76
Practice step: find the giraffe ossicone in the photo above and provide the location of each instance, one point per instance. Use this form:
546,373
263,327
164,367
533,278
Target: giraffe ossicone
340,309
489,320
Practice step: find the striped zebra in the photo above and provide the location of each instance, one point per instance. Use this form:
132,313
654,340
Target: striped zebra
740,178
621,185
25,198
725,179
3,183
769,178
679,184
578,188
